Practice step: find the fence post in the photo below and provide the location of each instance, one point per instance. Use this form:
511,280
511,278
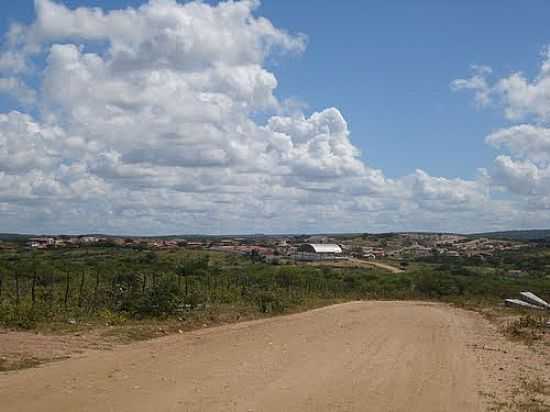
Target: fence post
17,291
81,288
96,289
33,289
67,290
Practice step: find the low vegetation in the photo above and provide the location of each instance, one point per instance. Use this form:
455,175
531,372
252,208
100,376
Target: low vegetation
110,285
528,328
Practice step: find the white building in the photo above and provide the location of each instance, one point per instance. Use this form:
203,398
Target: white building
323,249
317,251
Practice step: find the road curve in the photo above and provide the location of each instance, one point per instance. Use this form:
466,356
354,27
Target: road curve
360,356
380,265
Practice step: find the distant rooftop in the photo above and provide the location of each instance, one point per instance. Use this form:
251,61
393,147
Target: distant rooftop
321,248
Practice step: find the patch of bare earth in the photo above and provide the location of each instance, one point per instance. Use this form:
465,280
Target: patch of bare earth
55,342
20,350
515,354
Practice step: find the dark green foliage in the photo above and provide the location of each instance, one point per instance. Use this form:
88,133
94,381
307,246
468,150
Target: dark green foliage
525,235
436,285
269,301
110,284
161,300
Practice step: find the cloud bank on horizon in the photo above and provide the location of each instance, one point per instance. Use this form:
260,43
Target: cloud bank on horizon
145,121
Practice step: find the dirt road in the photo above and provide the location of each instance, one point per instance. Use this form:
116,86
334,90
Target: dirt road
361,356
355,263
380,265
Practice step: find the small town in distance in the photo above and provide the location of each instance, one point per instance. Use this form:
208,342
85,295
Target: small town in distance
303,247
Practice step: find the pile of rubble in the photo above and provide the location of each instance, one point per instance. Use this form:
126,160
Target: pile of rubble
530,301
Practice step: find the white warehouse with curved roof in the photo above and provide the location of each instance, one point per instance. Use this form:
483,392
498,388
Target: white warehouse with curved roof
321,248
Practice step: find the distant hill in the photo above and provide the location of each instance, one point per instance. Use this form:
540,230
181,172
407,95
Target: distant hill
524,235
11,237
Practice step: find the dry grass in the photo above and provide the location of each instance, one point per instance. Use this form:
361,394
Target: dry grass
7,364
533,396
529,387
133,331
527,328
537,386
13,364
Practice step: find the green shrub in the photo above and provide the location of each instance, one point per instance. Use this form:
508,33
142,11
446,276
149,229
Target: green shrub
21,316
111,318
433,284
269,301
160,300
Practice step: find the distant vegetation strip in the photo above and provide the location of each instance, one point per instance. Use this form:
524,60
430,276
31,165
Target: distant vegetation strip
520,235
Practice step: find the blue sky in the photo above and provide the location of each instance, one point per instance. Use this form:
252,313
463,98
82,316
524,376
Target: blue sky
387,67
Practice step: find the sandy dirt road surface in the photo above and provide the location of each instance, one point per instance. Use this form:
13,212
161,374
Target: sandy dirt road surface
380,265
359,356
360,263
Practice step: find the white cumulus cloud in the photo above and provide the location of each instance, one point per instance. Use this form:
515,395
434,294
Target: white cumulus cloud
520,96
145,121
